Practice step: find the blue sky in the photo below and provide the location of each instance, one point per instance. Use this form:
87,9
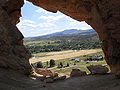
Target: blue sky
36,21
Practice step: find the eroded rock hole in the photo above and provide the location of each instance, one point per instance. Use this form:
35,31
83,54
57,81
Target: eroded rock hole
64,47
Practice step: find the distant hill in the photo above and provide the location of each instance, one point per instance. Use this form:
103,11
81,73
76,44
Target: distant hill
70,32
66,40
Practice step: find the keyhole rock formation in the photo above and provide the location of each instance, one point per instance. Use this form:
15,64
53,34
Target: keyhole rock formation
102,15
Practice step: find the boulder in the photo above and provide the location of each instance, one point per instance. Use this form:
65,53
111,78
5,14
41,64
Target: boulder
97,69
77,73
38,64
49,80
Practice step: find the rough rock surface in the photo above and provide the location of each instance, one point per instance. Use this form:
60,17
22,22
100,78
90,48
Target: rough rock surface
98,69
102,15
77,73
13,54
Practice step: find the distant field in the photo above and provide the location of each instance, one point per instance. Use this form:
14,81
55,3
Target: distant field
80,65
43,57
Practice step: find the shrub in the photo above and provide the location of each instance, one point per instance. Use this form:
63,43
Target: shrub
52,63
39,65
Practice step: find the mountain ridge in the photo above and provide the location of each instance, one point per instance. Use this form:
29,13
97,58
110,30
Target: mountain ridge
67,32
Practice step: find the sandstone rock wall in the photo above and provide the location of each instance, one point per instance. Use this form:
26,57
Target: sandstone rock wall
13,54
102,15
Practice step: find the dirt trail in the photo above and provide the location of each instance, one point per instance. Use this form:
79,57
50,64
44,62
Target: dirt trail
65,55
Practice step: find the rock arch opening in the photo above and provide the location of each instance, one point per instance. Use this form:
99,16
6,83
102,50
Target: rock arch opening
103,16
39,21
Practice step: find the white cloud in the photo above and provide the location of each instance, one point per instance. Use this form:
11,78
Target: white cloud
25,1
38,32
80,25
41,10
72,23
41,25
25,24
51,18
27,21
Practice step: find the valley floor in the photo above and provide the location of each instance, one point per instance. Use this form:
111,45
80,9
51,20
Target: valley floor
43,57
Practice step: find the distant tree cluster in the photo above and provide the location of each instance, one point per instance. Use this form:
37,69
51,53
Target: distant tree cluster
37,49
76,42
64,45
78,45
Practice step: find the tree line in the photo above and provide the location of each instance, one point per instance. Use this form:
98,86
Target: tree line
60,45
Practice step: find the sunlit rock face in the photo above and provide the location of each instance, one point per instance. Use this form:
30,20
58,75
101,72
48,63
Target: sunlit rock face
102,15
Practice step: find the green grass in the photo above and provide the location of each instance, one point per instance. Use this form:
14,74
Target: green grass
79,65
69,69
37,42
45,45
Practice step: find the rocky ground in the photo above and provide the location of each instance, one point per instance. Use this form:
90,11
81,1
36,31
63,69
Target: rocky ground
12,81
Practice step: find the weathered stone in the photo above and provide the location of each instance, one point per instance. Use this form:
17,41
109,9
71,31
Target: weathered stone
77,73
45,72
97,69
13,54
38,64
